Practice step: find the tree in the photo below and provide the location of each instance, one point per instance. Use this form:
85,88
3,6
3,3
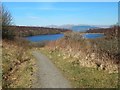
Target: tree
6,22
0,15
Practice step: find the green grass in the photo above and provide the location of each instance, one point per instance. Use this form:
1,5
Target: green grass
83,77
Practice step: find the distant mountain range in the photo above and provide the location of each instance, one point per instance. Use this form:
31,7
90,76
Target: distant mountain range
79,28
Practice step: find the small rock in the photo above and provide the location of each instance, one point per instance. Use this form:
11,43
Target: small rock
93,55
102,67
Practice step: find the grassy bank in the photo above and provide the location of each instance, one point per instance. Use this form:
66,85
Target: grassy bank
82,77
100,52
86,63
18,65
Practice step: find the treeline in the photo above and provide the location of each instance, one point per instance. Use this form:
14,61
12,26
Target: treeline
31,31
112,31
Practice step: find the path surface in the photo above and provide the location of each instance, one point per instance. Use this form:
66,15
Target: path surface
48,76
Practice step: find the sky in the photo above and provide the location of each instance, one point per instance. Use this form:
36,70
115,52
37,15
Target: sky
60,13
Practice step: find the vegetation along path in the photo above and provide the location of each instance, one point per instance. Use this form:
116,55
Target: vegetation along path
48,75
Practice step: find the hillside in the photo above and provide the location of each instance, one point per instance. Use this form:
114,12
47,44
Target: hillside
18,64
112,31
31,31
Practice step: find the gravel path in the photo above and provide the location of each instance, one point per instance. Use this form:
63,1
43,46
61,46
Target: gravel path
48,76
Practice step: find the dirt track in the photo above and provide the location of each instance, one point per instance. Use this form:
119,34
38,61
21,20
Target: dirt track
48,76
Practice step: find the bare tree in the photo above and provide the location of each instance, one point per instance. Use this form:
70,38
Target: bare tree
0,21
6,17
6,22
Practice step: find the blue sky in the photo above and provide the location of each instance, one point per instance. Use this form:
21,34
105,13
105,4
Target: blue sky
59,13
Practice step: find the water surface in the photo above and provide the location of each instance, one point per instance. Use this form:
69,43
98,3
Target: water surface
93,35
45,37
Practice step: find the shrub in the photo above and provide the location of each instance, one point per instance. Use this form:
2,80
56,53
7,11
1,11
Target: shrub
6,21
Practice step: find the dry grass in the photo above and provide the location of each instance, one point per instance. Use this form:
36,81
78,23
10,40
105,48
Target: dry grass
100,52
17,65
79,76
86,63
0,64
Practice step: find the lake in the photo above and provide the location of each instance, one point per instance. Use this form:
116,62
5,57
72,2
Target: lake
58,36
93,35
45,37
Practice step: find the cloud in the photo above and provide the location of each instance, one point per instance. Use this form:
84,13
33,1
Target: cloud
34,17
47,8
58,9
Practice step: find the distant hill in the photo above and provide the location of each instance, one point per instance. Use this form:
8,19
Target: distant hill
82,28
32,30
77,28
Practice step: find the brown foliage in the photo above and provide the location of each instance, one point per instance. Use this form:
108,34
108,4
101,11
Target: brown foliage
31,30
112,31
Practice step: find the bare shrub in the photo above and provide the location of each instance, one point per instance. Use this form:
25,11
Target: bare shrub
6,21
